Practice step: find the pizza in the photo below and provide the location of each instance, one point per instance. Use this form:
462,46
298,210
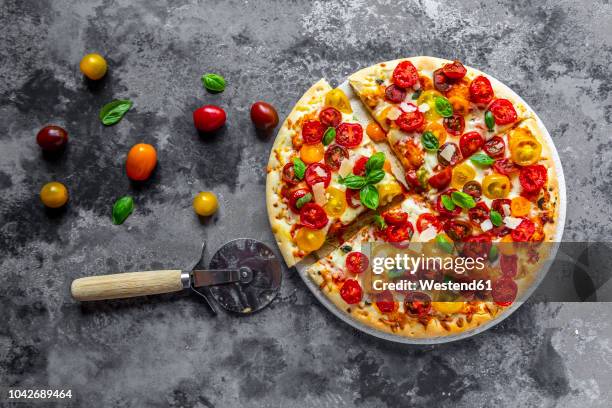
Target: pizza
467,167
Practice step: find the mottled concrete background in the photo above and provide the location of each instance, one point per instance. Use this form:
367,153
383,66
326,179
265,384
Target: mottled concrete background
168,351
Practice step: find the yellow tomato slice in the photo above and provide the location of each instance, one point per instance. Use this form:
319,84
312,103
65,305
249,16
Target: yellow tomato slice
309,240
438,131
496,186
520,206
460,105
336,202
448,307
525,151
429,97
375,132
387,191
312,153
336,98
462,173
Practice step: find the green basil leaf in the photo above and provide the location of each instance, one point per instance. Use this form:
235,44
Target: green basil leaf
112,112
369,197
380,222
375,176
375,162
448,203
444,243
346,248
352,181
443,106
482,159
213,82
493,253
430,141
489,120
303,200
329,136
496,218
122,208
423,175
416,95
299,168
463,200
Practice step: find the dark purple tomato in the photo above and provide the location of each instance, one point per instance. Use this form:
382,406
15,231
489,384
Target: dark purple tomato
52,138
264,116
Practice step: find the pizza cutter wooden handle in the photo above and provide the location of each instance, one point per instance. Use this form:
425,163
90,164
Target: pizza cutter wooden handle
126,285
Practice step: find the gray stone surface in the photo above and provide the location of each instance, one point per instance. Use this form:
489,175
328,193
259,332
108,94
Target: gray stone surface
168,351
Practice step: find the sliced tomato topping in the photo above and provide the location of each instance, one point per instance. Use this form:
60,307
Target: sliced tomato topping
457,230
317,173
495,147
470,143
481,91
413,180
359,169
505,167
455,158
356,262
395,94
385,302
410,121
533,178
289,174
405,74
473,188
428,220
417,304
313,216
296,195
479,213
441,82
508,265
477,246
442,179
504,291
312,131
503,111
330,117
524,231
349,134
454,124
395,217
334,156
351,291
352,198
442,210
454,70
399,233
500,205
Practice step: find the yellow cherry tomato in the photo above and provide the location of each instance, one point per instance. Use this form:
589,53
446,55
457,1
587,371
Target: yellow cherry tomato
205,203
520,206
93,66
312,153
462,173
448,307
438,130
54,194
309,240
387,191
375,132
496,186
525,151
429,97
506,246
336,202
460,105
336,98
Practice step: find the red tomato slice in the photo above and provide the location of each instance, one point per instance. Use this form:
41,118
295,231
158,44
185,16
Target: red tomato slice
454,124
455,158
351,291
428,220
330,117
349,134
405,74
313,216
505,167
295,195
454,70
442,179
508,265
359,169
503,111
470,143
533,178
524,231
312,131
410,121
417,304
498,205
495,147
477,246
395,94
474,189
441,82
288,175
479,213
356,262
399,233
352,198
317,173
458,230
481,91
504,291
395,217
412,179
334,156
385,302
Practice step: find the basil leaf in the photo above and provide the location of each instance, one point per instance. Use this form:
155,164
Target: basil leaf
375,176
423,175
352,181
329,136
112,112
299,168
369,197
444,243
430,141
482,159
303,200
463,200
496,218
448,203
443,106
346,248
416,95
380,221
493,254
122,208
489,120
213,82
375,162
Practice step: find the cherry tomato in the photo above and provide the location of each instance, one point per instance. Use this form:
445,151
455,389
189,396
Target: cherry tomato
474,189
428,220
417,304
405,74
141,161
395,217
455,158
477,246
410,121
508,265
349,134
496,186
395,94
309,240
288,174
505,167
399,233
351,291
359,169
264,116
500,205
52,138
504,291
209,118
385,302
330,117
356,262
525,151
313,216
317,173
413,180
294,196
458,230
462,174
479,213
520,206
352,198
495,147
312,132
312,153
336,98
444,213
387,191
375,132
437,129
470,143
431,115
442,179
54,194
93,66
454,124
336,202
503,111
441,82
334,156
454,70
205,203
481,91
533,178
524,231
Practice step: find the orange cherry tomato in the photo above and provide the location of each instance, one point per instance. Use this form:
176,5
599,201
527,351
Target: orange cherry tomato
312,153
520,206
141,161
375,132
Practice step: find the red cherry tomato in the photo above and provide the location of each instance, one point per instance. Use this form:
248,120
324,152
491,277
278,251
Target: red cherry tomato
444,213
352,198
481,91
313,131
413,180
417,304
410,121
473,188
505,167
264,116
508,265
405,74
359,169
533,178
349,134
395,217
395,94
351,291
428,220
334,156
454,70
296,195
503,111
504,291
209,118
385,302
454,124
524,231
498,205
330,117
52,138
289,174
457,230
141,161
495,147
442,179
313,216
479,213
477,246
399,233
441,82
455,158
356,262
470,143
317,173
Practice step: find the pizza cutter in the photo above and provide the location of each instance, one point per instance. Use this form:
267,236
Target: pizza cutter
243,276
